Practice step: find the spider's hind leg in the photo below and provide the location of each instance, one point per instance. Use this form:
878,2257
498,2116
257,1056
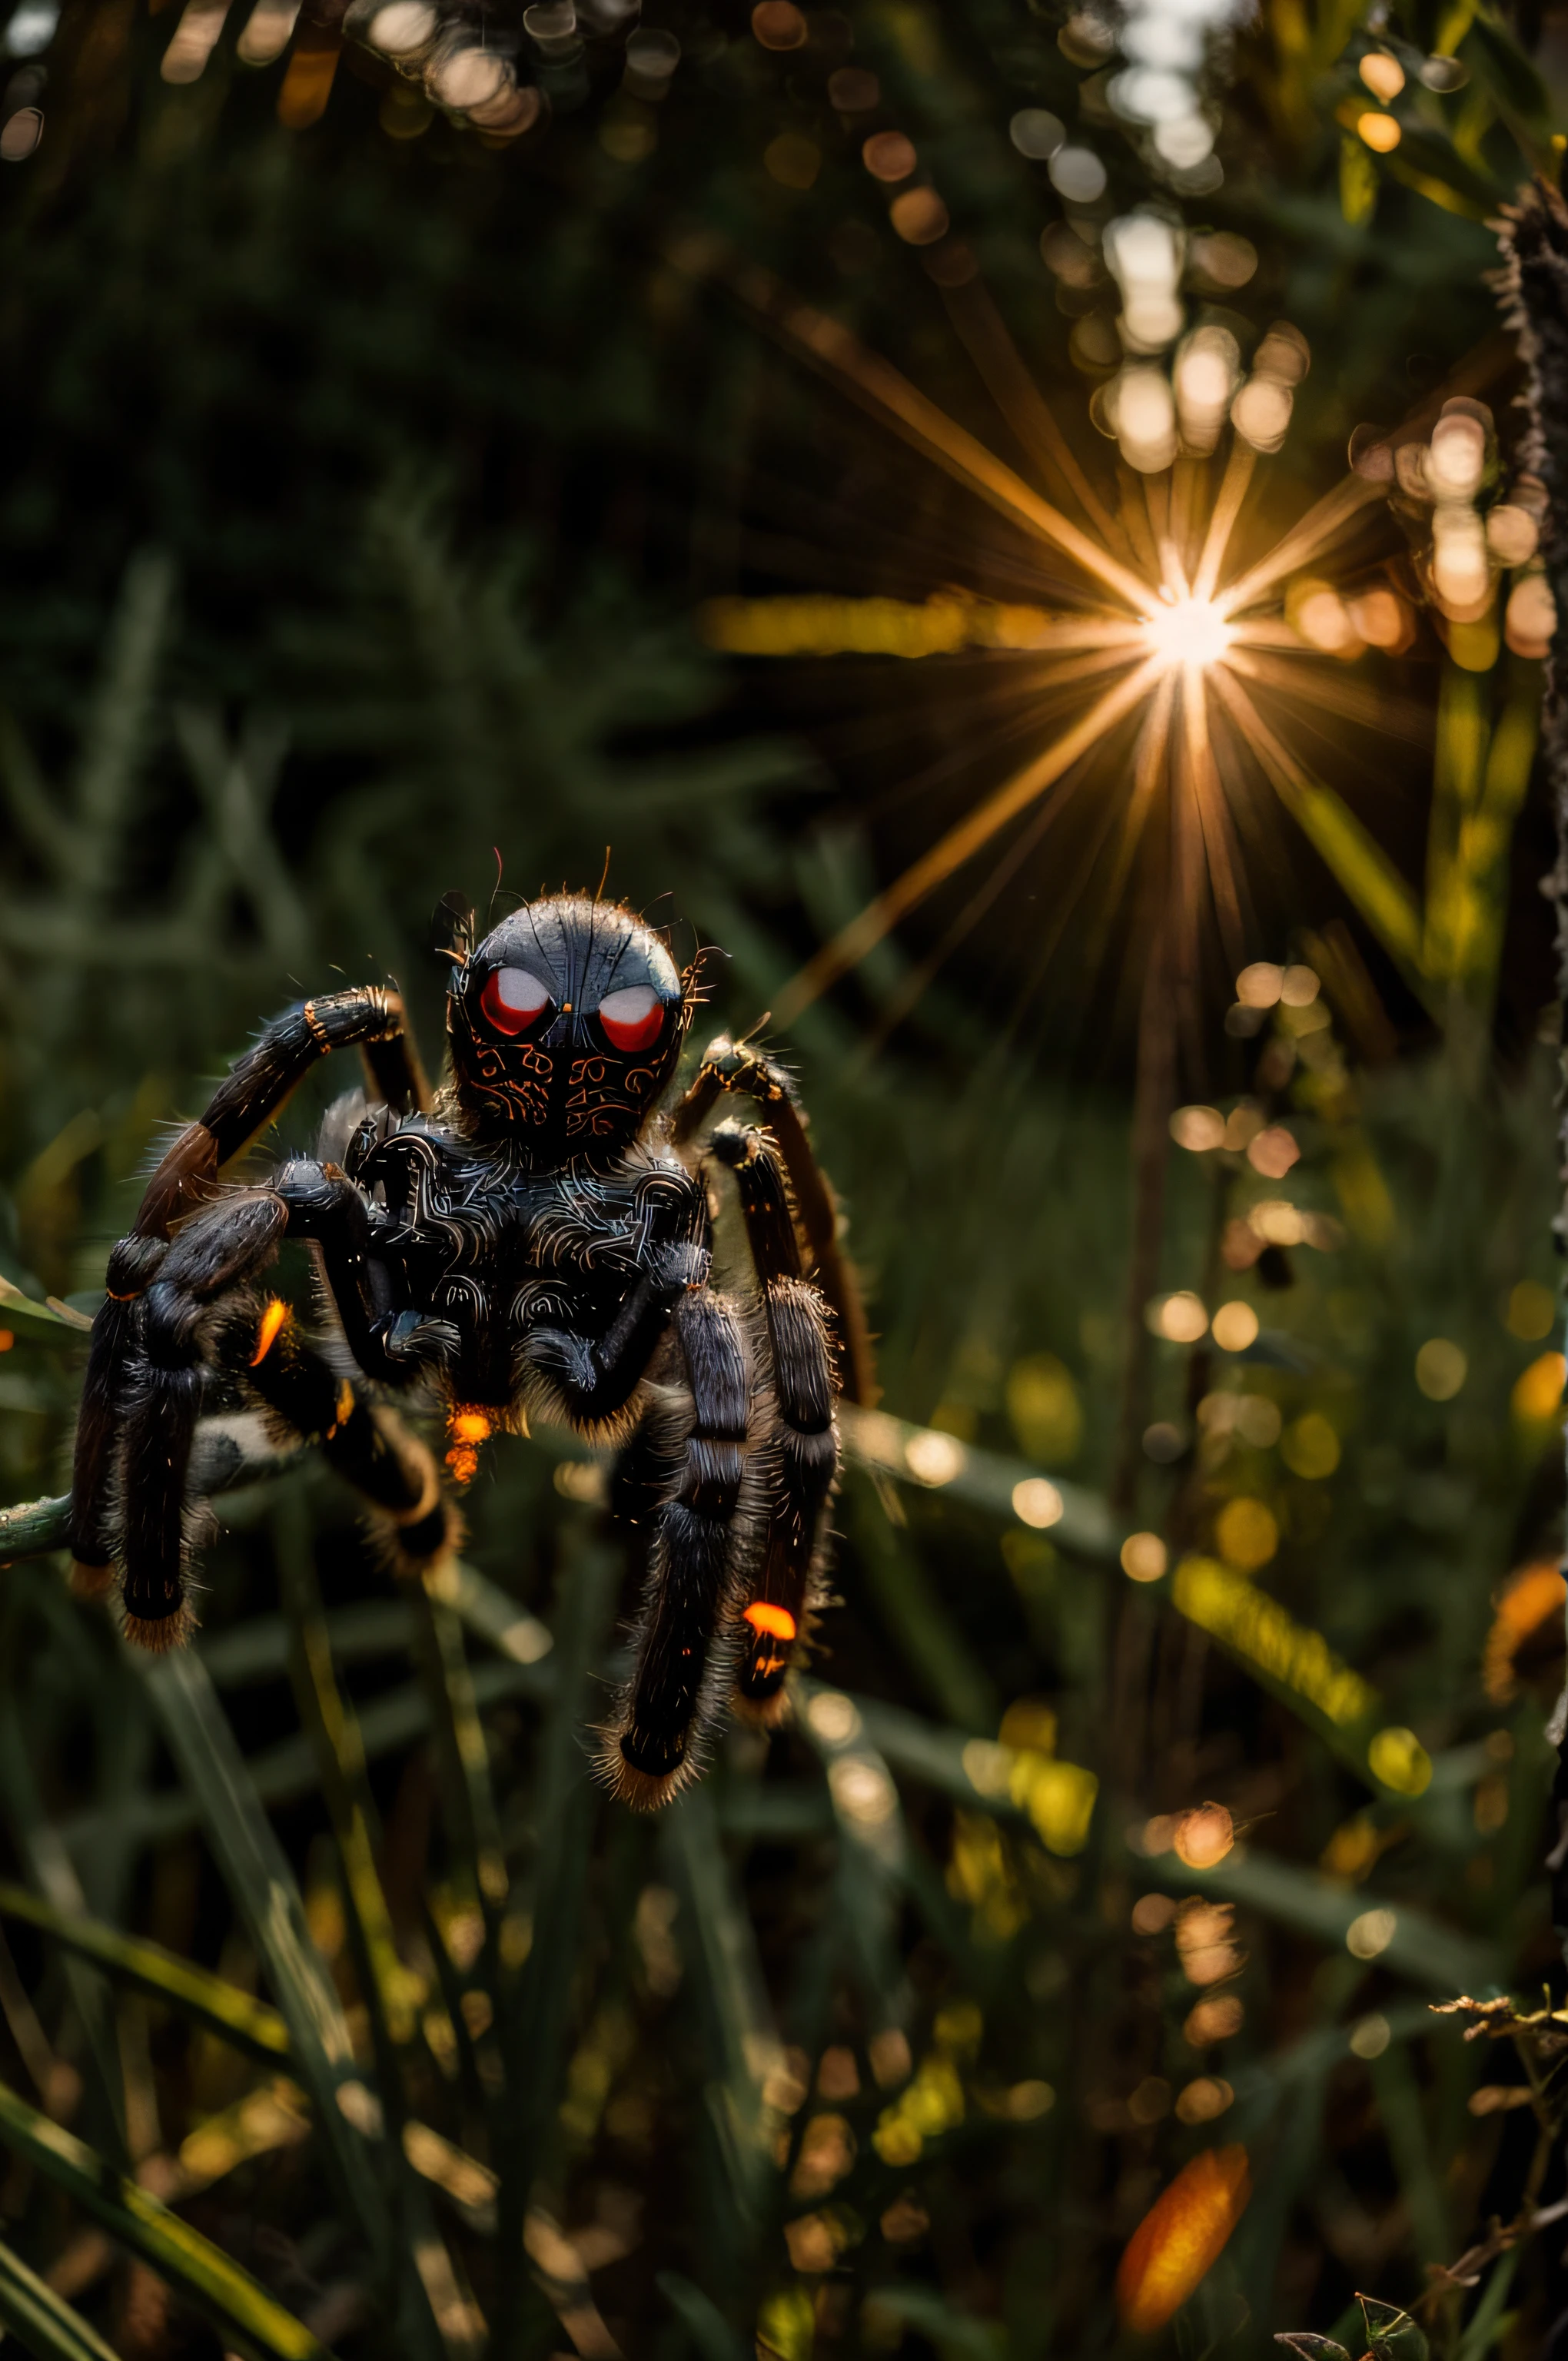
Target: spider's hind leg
802,1455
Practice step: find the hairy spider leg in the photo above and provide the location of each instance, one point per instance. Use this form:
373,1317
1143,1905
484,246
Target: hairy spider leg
371,1016
368,1447
325,1207
190,1317
645,1471
732,1066
394,1070
802,1453
166,1382
650,1749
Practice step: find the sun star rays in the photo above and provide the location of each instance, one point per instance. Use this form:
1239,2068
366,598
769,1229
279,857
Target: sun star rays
1175,651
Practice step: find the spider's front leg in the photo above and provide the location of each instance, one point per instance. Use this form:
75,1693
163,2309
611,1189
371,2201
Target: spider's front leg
200,1311
166,1382
734,1067
371,1019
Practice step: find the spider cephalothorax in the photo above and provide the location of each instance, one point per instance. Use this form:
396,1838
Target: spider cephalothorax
535,1239
565,1025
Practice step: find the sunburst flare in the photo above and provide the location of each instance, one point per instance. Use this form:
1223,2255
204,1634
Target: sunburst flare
1188,667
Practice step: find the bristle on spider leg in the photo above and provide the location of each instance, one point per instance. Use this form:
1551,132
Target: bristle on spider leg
801,1464
159,1634
770,1637
153,1607
640,1791
657,1740
157,1529
765,1657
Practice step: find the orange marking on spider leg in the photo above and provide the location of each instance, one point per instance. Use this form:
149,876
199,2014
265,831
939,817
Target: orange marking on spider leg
468,1428
272,1320
776,1621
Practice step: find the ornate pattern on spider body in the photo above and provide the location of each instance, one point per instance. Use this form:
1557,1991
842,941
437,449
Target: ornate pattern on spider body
534,1242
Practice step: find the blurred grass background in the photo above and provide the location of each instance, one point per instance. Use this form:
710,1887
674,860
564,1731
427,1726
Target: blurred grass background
359,493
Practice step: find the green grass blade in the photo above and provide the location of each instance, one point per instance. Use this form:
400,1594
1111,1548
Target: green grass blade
1311,2059
873,1847
1487,834
704,2322
48,1863
485,1609
257,1871
258,1649
245,2314
984,1479
14,1304
535,2010
234,2016
1420,1948
1404,2120
1057,1796
42,2321
1481,2331
914,1619
473,1824
957,2335
428,2296
1452,908
333,1729
743,2034
1362,867
279,1773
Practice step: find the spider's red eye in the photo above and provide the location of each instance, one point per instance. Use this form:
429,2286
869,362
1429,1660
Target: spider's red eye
634,1018
513,1000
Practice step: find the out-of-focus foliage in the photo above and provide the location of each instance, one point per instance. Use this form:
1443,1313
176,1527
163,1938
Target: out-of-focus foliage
368,484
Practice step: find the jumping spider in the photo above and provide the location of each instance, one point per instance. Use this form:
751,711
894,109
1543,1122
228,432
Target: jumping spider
532,1241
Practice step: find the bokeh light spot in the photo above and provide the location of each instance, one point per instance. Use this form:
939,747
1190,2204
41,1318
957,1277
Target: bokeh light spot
778,24
1037,1502
1441,1367
1234,1327
1309,1447
1246,1535
1145,1557
1381,132
1369,1936
1398,1759
1204,1836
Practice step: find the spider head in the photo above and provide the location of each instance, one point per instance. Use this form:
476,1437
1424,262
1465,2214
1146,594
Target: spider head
565,1024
